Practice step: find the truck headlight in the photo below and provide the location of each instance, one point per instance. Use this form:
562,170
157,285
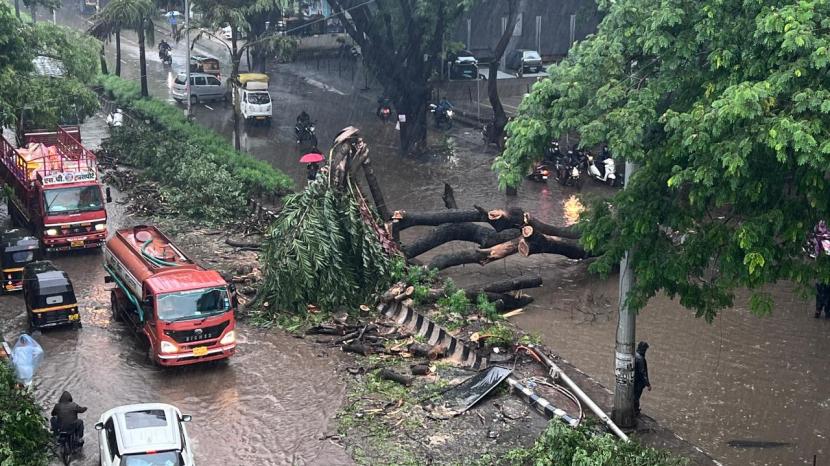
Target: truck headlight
229,338
51,232
100,226
167,347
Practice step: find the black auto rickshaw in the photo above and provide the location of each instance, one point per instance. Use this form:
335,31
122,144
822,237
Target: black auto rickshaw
19,249
49,296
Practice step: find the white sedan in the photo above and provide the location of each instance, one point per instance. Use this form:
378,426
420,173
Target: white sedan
150,434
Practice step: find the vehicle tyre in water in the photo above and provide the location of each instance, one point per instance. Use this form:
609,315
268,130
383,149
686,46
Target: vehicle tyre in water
116,315
151,356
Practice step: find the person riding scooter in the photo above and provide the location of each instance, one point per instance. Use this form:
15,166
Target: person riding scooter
164,51
384,110
65,418
305,129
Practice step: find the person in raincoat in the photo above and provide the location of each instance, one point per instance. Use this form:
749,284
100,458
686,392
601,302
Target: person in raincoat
65,417
26,357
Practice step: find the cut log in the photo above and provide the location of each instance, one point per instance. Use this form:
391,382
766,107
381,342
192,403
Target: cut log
517,218
475,256
406,219
449,197
357,348
243,244
484,236
513,284
420,369
420,350
533,242
389,374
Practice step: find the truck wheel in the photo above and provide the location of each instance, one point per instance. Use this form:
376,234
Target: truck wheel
151,355
116,315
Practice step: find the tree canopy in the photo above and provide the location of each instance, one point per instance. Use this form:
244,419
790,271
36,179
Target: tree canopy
723,104
51,99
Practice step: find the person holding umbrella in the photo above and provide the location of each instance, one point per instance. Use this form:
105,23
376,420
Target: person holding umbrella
313,160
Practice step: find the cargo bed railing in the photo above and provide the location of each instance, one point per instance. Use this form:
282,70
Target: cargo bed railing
69,156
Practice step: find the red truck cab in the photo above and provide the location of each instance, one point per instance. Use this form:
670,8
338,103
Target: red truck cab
185,312
55,189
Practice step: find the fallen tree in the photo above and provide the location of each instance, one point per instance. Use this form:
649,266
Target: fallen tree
485,236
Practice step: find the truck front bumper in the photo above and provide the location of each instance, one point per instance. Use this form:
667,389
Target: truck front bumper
92,240
187,357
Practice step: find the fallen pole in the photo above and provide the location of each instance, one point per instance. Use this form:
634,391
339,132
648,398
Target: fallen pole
557,374
541,404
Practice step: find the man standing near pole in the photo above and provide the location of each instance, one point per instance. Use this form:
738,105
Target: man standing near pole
641,381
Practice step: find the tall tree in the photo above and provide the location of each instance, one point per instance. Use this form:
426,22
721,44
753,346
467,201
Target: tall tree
49,100
499,117
136,15
400,41
724,105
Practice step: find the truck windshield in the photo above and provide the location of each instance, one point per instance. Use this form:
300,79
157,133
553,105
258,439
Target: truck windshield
196,304
259,98
72,200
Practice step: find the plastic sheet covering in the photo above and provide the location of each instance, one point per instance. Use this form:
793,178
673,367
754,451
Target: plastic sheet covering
26,357
465,395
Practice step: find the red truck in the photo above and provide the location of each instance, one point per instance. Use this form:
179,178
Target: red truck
183,311
55,189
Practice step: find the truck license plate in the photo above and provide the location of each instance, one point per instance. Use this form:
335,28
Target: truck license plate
200,351
76,244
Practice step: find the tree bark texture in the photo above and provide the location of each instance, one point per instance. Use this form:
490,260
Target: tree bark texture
484,236
118,52
142,62
533,242
374,188
475,256
499,117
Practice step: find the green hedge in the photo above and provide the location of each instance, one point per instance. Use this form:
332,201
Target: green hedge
24,435
255,177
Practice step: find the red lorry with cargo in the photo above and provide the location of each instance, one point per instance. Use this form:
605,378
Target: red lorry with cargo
54,189
184,312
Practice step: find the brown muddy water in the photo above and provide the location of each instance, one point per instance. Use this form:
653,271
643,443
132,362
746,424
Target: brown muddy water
270,405
741,378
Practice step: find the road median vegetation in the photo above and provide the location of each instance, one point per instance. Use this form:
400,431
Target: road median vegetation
24,436
199,171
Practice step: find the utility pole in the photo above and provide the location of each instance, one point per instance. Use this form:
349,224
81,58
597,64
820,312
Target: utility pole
17,8
187,59
623,412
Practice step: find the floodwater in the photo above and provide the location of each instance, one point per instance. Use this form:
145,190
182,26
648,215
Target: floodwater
272,403
743,377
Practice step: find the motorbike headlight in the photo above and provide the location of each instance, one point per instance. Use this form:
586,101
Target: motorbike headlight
229,338
311,129
449,113
51,232
100,226
167,347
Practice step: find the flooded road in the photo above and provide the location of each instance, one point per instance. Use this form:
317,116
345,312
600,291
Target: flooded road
740,378
270,404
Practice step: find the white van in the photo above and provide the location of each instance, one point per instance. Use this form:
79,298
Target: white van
203,87
254,98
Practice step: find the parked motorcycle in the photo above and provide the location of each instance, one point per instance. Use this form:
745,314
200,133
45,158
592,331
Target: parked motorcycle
443,116
605,172
306,133
384,111
568,171
552,153
540,173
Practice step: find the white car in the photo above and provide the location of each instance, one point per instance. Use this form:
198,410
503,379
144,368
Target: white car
150,434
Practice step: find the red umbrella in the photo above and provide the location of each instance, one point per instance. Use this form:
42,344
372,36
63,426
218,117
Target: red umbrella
312,158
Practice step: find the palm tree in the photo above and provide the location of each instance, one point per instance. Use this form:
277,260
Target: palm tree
136,15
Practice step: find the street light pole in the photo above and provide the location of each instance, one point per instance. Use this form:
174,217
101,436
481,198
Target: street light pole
623,412
187,59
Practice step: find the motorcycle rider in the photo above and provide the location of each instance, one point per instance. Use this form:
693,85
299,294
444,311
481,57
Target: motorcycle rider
65,417
383,102
303,120
164,49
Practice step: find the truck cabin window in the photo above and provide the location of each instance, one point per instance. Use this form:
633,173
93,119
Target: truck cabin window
259,98
196,304
72,200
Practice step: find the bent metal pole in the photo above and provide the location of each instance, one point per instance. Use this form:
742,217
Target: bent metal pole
557,374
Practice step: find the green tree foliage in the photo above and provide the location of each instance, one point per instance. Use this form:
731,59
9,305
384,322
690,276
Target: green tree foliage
48,100
560,445
724,105
24,435
135,15
401,42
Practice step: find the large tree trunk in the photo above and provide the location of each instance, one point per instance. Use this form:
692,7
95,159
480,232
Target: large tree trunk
485,236
118,52
412,105
374,188
406,219
142,62
533,242
499,117
236,57
475,256
103,61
